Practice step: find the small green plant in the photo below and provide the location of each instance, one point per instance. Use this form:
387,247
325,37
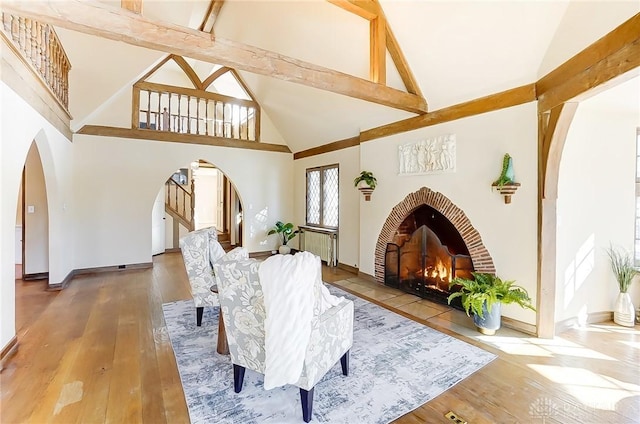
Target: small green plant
507,174
367,177
622,267
285,230
489,289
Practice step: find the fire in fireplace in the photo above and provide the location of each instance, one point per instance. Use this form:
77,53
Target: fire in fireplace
426,253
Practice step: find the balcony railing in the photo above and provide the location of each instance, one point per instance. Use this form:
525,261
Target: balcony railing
40,46
162,107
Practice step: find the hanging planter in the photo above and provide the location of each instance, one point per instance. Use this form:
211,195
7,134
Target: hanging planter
506,184
366,183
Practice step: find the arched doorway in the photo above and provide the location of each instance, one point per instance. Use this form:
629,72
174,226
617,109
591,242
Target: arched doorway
196,196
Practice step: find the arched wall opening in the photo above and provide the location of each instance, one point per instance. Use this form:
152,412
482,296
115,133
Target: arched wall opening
196,196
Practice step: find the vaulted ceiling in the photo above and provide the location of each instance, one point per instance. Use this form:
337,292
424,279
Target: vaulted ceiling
457,50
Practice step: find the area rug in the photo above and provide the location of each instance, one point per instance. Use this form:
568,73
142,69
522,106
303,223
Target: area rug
396,365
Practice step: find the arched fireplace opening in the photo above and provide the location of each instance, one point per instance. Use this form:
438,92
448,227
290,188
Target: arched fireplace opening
425,242
426,253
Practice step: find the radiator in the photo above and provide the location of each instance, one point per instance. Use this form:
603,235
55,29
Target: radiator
321,243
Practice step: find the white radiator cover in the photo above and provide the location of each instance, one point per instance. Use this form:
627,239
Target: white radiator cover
321,243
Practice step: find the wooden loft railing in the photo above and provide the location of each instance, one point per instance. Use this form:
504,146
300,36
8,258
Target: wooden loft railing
160,107
41,47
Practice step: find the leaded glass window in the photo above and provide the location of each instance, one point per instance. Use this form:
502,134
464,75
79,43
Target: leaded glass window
322,196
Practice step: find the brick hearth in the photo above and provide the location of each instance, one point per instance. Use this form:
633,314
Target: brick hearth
482,261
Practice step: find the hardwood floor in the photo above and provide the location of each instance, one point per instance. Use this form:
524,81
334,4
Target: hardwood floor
98,352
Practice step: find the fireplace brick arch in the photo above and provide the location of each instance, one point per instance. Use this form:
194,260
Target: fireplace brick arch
482,261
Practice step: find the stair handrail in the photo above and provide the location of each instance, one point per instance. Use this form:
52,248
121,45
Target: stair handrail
186,194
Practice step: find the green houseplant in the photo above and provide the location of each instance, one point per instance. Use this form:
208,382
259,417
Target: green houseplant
483,296
624,271
287,232
366,183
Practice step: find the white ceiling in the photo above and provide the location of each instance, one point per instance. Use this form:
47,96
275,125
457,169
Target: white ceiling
458,51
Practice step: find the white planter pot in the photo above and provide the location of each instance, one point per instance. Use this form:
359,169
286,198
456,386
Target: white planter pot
623,311
284,249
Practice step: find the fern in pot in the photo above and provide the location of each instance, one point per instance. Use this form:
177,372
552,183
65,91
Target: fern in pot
624,271
483,297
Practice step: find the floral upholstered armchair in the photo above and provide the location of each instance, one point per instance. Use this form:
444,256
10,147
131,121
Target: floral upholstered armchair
243,308
200,249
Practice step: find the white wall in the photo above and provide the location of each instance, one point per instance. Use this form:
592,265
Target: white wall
596,201
19,126
584,22
349,198
116,181
36,216
508,231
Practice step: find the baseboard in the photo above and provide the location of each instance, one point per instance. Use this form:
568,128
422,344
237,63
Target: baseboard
366,276
573,322
63,284
126,267
8,351
348,268
520,326
171,250
35,276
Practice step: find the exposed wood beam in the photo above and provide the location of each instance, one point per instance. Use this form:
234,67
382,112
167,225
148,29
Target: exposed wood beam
401,63
378,50
553,128
504,99
193,77
214,76
365,9
134,6
168,136
155,67
212,15
330,147
113,23
611,56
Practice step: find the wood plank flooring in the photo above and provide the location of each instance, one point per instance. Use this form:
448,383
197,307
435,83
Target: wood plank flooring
98,352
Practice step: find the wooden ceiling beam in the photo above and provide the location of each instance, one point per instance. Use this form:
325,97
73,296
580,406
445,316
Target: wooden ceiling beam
365,9
214,76
378,50
501,100
188,70
134,6
102,20
212,15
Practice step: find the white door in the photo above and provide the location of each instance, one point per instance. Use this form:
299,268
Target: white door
157,224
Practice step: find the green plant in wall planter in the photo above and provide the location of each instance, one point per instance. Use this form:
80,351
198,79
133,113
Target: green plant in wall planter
483,296
505,184
366,183
287,232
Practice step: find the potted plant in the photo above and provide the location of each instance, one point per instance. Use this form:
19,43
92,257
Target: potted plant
483,296
366,183
287,233
624,271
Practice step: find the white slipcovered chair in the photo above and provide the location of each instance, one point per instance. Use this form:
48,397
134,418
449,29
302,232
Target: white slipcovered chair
200,249
242,305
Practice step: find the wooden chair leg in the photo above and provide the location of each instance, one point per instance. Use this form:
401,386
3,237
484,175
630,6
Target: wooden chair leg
344,361
238,377
199,312
307,404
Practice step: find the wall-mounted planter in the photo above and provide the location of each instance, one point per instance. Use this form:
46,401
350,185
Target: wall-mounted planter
507,190
366,191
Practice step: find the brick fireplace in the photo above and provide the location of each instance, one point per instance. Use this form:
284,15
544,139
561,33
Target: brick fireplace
436,241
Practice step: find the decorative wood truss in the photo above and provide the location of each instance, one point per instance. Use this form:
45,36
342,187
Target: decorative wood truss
194,111
103,20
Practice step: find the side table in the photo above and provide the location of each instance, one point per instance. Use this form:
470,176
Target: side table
223,346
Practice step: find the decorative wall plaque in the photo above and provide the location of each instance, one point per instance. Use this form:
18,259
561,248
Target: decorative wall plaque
430,156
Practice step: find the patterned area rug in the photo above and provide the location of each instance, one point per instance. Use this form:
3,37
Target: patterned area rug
396,365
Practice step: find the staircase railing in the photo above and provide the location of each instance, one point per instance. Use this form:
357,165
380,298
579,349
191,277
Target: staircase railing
40,46
179,203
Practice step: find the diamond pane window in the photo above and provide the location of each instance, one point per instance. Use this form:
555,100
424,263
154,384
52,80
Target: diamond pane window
313,197
322,196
